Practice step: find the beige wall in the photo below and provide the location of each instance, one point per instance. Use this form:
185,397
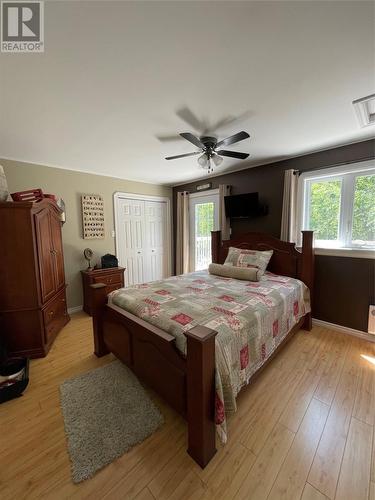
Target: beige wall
69,185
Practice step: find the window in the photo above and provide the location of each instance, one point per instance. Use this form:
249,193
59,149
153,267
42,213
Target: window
204,216
204,224
338,204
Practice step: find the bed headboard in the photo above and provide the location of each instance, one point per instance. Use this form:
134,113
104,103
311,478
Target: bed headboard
286,259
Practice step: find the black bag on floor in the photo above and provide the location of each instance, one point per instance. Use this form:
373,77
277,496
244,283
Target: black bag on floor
14,374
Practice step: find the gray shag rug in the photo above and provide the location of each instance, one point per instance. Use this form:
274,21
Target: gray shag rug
106,412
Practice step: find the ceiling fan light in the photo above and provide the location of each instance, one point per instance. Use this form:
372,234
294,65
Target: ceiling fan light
210,167
218,160
202,160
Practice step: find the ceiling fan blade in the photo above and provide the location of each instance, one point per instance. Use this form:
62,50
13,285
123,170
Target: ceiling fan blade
240,136
183,156
194,140
233,154
191,119
169,138
230,120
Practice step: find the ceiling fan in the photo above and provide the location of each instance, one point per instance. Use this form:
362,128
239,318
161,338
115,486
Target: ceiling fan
210,147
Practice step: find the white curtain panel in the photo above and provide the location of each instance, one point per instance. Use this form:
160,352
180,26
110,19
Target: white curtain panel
289,213
182,235
224,222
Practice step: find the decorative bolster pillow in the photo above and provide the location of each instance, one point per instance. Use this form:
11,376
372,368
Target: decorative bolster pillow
239,273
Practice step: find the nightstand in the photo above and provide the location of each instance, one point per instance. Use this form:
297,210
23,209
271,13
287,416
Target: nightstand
113,277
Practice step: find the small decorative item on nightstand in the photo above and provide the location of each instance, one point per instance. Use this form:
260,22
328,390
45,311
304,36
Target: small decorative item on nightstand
88,254
109,260
113,277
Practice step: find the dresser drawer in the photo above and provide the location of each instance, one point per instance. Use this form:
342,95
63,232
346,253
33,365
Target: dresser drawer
54,326
55,309
55,316
111,288
112,277
109,279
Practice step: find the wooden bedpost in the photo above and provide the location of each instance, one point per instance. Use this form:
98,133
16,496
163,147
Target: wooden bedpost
215,246
201,394
99,300
307,271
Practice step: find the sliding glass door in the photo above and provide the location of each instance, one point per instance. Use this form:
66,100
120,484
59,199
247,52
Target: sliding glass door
204,217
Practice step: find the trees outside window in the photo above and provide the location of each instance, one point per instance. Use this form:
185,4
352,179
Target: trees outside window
339,206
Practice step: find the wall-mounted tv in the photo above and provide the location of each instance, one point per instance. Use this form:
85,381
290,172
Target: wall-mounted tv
243,205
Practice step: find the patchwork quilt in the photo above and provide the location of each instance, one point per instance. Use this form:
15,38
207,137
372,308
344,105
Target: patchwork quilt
251,319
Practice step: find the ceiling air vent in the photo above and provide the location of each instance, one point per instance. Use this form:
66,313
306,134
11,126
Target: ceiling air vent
365,110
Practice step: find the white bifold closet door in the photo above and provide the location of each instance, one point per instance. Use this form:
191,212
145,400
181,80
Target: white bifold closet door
155,239
141,234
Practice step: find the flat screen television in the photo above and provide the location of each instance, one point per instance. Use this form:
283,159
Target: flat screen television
242,205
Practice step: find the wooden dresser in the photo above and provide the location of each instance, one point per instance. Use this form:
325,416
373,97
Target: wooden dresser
113,277
32,280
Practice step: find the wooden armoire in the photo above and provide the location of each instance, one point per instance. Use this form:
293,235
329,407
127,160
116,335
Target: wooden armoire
32,280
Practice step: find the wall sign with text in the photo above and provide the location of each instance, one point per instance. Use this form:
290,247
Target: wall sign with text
92,217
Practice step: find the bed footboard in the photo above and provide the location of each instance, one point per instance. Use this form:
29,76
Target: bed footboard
201,394
99,300
187,384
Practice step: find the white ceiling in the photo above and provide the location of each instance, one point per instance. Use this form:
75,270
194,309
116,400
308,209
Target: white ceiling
118,78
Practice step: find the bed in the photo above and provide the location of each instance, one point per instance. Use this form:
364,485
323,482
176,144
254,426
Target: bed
178,334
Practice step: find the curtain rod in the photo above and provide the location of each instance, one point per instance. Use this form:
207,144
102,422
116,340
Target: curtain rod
338,164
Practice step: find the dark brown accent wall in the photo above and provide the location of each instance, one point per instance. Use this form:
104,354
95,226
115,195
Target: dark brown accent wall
345,286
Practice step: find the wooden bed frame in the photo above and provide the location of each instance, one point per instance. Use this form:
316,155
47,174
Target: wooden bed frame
188,383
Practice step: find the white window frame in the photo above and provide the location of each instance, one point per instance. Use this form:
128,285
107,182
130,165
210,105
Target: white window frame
209,194
347,174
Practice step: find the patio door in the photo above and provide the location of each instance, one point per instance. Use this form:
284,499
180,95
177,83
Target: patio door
204,218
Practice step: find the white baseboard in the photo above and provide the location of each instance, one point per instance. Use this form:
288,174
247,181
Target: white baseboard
344,329
72,310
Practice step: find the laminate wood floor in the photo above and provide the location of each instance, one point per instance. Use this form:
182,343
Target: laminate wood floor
303,430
